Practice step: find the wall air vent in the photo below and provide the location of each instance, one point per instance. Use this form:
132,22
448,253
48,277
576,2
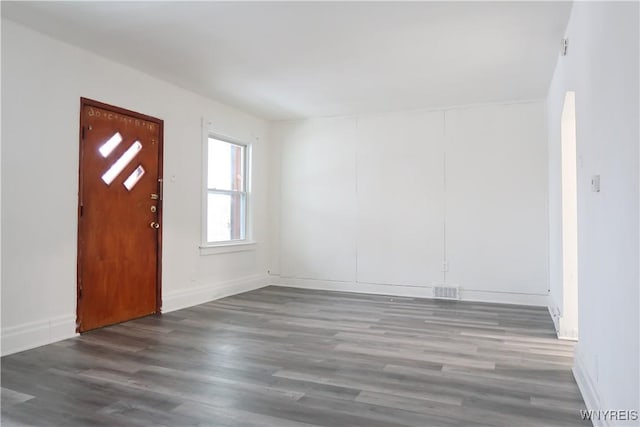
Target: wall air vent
446,292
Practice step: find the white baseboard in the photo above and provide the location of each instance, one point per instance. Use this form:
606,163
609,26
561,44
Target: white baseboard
177,300
410,291
587,388
554,312
562,330
34,334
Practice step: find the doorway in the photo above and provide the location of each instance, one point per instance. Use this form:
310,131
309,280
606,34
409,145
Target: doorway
569,316
119,215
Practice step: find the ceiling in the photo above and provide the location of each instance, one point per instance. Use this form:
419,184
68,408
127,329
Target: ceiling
282,60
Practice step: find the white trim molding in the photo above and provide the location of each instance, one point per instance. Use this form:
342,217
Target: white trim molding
209,130
172,301
587,388
226,248
409,291
35,334
562,330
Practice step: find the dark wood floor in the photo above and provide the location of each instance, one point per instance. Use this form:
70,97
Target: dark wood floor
290,357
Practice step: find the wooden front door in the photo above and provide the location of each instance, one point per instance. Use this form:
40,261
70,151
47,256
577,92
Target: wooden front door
119,215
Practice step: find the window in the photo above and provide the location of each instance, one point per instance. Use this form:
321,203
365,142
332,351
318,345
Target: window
226,198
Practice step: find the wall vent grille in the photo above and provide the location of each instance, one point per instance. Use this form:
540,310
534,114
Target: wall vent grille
446,292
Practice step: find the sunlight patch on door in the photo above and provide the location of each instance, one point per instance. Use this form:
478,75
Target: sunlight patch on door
121,163
110,145
133,179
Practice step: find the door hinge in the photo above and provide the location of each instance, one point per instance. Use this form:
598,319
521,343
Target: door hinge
81,210
80,292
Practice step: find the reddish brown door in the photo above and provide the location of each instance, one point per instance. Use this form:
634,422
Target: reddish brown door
119,213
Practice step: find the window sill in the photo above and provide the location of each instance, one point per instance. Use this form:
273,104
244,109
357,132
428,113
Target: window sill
228,247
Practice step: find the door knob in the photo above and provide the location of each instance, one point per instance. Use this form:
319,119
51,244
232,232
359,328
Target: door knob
154,225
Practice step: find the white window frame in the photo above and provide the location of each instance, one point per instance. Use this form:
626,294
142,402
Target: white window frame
246,244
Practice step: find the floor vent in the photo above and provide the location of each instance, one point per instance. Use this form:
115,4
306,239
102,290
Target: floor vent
446,292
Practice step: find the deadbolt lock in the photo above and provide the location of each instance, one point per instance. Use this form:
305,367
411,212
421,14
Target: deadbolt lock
154,225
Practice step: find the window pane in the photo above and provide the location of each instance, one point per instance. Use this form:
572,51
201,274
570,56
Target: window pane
133,179
106,148
121,163
226,165
226,213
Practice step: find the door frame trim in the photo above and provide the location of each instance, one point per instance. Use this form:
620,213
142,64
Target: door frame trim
86,102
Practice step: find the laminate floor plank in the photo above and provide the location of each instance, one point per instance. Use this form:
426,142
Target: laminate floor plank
287,357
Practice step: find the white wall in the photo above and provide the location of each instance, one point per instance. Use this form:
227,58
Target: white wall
602,68
318,184
497,199
400,203
42,82
376,203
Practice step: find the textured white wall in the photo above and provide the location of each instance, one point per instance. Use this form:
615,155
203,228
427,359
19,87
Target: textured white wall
318,208
602,68
497,198
42,82
400,216
376,203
